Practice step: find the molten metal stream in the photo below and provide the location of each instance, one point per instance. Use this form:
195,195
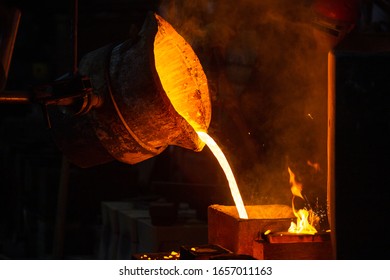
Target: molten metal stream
228,172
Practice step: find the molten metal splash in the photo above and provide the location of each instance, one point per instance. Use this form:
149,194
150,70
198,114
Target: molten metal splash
228,172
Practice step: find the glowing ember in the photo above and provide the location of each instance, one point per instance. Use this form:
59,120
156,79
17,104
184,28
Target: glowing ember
315,165
228,172
168,256
305,218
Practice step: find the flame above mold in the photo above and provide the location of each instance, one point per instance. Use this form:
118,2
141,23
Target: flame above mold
305,218
296,188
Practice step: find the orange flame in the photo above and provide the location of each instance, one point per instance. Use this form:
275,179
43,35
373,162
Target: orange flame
304,225
296,188
305,218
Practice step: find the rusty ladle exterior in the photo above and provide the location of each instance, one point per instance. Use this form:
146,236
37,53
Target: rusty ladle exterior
130,118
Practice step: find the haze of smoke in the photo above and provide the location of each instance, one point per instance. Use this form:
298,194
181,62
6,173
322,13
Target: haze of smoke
274,74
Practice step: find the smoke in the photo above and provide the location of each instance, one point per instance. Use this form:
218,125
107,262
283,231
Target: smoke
267,74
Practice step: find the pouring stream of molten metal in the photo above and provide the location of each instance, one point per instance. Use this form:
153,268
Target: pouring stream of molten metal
228,172
185,84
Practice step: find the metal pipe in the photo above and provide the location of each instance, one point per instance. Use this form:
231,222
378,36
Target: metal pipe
15,97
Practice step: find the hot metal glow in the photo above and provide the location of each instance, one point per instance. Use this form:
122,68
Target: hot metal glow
182,76
228,172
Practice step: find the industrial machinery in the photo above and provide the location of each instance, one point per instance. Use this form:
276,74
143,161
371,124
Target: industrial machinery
121,103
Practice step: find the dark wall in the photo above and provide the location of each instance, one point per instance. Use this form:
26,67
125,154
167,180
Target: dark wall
362,129
31,164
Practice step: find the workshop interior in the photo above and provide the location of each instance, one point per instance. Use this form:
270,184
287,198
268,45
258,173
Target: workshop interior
210,129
